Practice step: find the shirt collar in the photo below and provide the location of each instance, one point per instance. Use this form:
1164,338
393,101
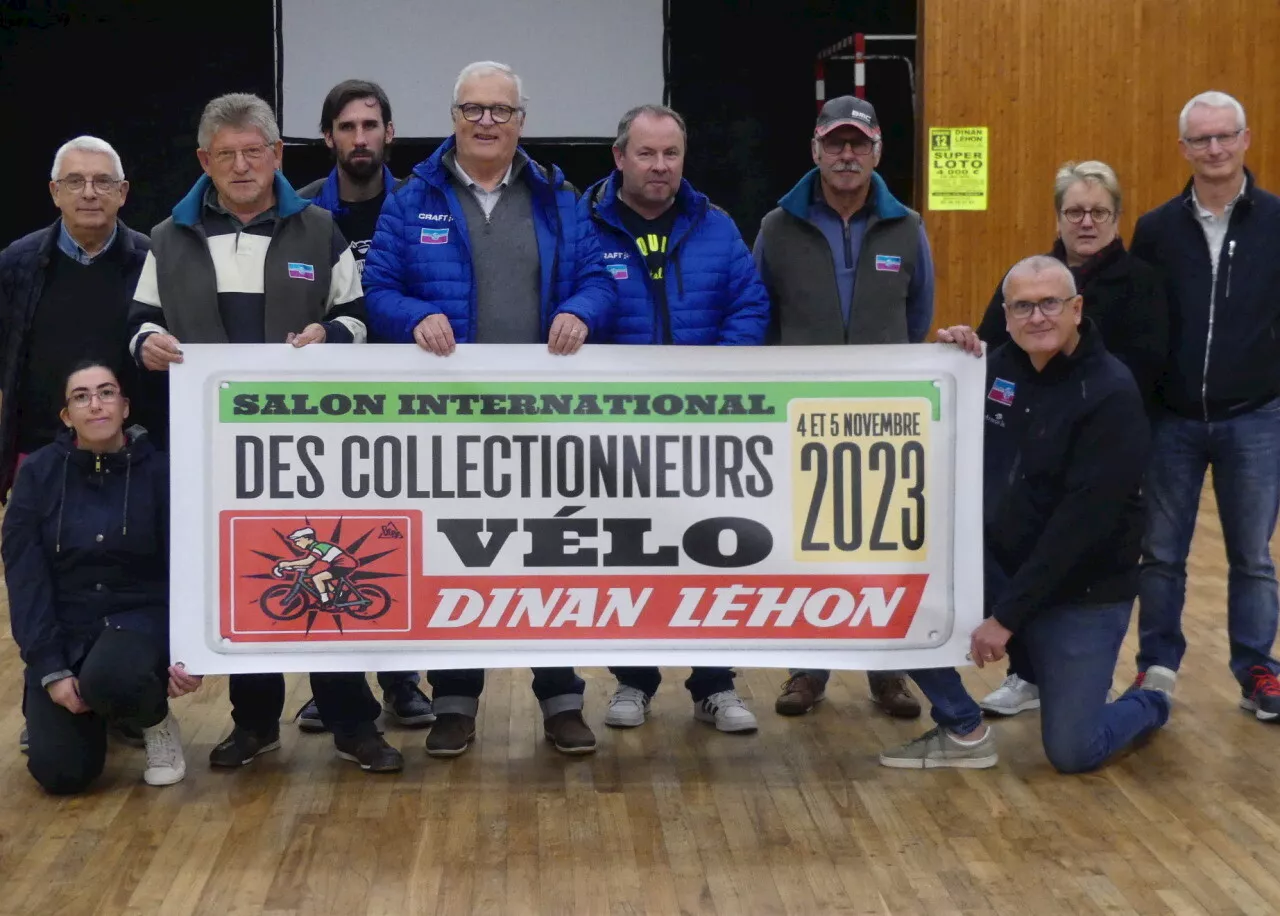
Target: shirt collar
467,181
71,248
211,201
1207,214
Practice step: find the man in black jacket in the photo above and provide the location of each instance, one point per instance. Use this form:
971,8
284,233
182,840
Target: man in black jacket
1064,451
1218,244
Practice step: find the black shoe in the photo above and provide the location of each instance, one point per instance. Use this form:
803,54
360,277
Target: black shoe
242,746
406,705
451,734
309,719
371,751
126,733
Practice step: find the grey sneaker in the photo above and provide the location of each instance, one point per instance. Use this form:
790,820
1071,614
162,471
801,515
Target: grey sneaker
1160,678
937,748
627,708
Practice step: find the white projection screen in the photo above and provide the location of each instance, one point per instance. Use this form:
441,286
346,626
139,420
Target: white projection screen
583,62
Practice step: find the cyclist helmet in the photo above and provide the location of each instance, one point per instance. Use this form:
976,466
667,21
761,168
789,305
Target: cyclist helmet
303,533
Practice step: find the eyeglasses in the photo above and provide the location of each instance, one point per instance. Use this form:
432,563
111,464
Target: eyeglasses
1049,308
501,114
225,157
834,146
1202,143
1097,214
101,183
107,394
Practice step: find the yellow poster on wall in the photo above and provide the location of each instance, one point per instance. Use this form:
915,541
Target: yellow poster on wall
958,168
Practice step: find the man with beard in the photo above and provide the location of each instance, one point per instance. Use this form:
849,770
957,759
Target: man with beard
841,215
356,122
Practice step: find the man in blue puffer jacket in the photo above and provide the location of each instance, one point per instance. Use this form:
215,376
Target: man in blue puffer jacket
684,276
484,245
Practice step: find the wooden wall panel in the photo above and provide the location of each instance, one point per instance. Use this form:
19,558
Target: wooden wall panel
1079,79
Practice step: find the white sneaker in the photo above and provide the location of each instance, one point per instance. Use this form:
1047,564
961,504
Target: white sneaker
165,763
726,711
1012,697
627,708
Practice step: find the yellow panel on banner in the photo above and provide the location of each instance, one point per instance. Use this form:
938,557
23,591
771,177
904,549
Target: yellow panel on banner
958,168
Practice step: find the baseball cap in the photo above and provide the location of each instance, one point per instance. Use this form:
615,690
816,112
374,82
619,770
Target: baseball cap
851,111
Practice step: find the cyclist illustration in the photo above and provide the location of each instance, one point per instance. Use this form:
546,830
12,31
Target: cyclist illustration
321,560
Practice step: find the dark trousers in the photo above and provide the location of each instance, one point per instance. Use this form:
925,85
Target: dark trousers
344,700
557,689
701,683
123,678
390,680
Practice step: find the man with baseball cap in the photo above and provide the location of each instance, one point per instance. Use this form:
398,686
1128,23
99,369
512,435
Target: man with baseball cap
841,215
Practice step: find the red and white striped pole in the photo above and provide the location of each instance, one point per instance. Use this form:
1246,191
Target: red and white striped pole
860,65
820,82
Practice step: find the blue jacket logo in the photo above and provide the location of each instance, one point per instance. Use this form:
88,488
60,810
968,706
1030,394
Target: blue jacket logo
619,271
434,236
301,271
889,262
1001,392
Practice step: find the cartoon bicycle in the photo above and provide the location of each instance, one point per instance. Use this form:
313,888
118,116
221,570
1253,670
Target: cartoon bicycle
322,583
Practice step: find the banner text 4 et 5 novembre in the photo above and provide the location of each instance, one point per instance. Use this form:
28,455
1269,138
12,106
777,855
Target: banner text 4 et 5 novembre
380,508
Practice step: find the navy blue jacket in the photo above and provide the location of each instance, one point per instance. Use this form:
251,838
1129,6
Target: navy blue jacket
86,546
1224,327
420,261
23,266
713,292
1063,454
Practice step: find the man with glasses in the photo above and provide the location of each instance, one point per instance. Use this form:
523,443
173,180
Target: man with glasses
841,215
484,245
244,259
64,297
1217,243
1065,446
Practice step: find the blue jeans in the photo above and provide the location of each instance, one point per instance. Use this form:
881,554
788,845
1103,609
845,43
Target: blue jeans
1245,454
1073,650
701,683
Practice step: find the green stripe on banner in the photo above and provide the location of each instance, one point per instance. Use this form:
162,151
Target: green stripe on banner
541,402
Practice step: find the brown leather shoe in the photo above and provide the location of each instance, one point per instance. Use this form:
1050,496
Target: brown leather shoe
889,691
800,693
451,734
569,732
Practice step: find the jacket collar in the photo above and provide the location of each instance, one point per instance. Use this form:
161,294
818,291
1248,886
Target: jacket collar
604,198
541,179
1096,266
884,204
1246,199
329,198
288,203
49,243
1062,365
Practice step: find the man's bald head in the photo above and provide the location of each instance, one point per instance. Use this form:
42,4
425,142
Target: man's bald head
1035,266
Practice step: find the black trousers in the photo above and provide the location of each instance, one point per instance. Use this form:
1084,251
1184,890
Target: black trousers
458,691
124,678
701,683
345,702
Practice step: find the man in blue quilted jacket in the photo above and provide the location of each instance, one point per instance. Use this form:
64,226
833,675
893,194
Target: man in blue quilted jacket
684,276
484,245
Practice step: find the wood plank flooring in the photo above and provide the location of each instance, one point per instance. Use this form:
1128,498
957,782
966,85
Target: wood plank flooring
672,818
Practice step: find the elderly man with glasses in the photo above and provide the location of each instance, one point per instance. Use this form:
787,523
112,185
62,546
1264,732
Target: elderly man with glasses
1065,447
64,297
845,262
1218,246
244,259
484,245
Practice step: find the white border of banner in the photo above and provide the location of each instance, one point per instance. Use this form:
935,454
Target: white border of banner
194,612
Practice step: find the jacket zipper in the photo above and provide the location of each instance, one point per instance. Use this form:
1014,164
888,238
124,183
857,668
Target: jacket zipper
848,246
1213,303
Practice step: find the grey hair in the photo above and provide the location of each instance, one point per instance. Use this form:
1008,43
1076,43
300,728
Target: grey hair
484,68
87,144
1092,171
1211,99
1038,264
241,110
657,111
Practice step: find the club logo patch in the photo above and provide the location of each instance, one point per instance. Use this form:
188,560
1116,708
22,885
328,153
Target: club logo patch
434,237
301,271
889,262
619,271
1001,392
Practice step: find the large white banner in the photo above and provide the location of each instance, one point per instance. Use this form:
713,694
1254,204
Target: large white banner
379,508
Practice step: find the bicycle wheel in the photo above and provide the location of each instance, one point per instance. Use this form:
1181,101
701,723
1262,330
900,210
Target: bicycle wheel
277,604
379,602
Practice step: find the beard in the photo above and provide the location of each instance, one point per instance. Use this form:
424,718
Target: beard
362,169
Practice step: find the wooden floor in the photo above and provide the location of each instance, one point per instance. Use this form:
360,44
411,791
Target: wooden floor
672,818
